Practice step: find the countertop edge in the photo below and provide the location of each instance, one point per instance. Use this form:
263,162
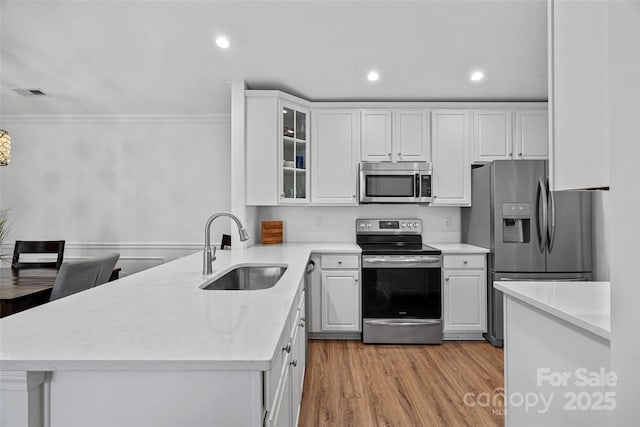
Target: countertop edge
554,311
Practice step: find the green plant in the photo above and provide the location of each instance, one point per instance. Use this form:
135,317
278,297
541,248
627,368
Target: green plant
4,229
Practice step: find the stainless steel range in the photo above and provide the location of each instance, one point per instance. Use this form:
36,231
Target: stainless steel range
401,283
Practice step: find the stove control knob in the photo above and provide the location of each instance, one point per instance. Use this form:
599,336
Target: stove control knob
403,224
410,225
368,225
362,225
415,224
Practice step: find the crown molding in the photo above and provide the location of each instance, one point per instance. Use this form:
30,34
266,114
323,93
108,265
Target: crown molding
114,118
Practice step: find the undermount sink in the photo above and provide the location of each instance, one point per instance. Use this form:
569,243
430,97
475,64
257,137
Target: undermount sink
247,278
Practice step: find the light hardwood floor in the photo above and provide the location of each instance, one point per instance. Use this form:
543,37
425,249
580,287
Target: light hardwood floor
351,384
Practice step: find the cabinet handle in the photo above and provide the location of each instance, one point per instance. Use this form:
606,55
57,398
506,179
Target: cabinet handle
510,154
446,279
356,279
520,154
465,262
435,197
339,262
399,154
389,155
354,196
294,363
301,324
287,348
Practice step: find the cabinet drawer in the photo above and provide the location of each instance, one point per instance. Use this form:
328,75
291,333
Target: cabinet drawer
340,261
463,261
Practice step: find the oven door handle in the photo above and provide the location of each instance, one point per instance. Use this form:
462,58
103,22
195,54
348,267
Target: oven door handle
426,260
404,322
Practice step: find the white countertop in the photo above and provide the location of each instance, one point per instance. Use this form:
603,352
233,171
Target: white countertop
462,248
160,319
584,304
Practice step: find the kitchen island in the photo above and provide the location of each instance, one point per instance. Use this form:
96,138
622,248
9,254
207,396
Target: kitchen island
557,362
155,349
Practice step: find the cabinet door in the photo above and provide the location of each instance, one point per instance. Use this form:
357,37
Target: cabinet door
298,355
411,136
340,301
492,135
465,300
376,135
335,156
532,134
294,142
578,94
262,138
280,412
451,147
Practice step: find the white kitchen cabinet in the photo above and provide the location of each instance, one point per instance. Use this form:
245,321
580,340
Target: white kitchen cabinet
532,135
340,303
520,134
399,135
578,94
451,146
465,296
335,153
492,135
376,135
285,406
277,148
411,136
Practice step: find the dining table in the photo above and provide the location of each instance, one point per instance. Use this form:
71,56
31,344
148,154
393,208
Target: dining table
24,288
27,288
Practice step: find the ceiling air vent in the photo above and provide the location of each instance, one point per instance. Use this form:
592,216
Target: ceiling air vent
30,92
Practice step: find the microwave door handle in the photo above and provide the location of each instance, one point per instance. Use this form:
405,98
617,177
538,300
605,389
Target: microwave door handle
417,191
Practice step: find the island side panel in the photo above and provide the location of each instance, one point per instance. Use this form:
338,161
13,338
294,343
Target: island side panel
155,398
542,357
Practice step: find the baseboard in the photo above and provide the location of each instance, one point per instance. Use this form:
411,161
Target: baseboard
335,336
463,336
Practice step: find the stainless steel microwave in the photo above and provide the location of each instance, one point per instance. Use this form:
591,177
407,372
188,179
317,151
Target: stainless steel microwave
385,182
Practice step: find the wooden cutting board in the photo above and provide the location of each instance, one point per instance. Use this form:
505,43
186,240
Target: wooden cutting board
271,232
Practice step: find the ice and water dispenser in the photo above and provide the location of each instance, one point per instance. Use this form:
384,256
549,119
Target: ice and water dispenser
516,222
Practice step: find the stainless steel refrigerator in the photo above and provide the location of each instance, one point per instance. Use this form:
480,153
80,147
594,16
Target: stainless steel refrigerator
532,233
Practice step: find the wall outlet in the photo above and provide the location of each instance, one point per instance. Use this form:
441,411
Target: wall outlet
447,221
317,222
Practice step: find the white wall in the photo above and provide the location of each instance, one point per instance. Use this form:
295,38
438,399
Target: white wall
337,224
601,243
146,184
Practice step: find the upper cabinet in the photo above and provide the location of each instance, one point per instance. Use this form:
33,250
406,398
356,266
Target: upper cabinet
578,94
277,138
294,179
451,185
399,135
532,134
520,134
492,135
335,153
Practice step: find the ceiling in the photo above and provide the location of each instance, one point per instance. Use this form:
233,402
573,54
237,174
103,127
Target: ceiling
159,57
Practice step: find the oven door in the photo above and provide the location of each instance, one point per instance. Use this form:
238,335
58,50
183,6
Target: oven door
401,299
401,287
389,186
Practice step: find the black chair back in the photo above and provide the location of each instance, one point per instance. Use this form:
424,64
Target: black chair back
37,247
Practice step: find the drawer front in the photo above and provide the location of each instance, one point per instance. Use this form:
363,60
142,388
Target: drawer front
340,261
464,261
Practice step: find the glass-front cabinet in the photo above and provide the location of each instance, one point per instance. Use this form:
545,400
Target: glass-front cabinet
294,135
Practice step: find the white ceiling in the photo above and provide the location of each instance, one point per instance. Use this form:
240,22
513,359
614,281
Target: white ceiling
159,57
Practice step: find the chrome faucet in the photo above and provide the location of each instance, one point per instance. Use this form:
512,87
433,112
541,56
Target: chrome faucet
210,253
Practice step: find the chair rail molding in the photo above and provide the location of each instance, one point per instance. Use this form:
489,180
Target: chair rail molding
115,118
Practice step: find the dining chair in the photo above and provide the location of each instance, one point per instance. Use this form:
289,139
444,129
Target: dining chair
107,263
37,247
75,276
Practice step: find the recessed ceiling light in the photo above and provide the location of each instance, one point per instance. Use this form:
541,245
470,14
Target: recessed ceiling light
476,76
373,76
223,42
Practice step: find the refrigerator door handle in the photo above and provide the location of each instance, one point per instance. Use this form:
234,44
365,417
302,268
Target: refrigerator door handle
541,196
552,222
